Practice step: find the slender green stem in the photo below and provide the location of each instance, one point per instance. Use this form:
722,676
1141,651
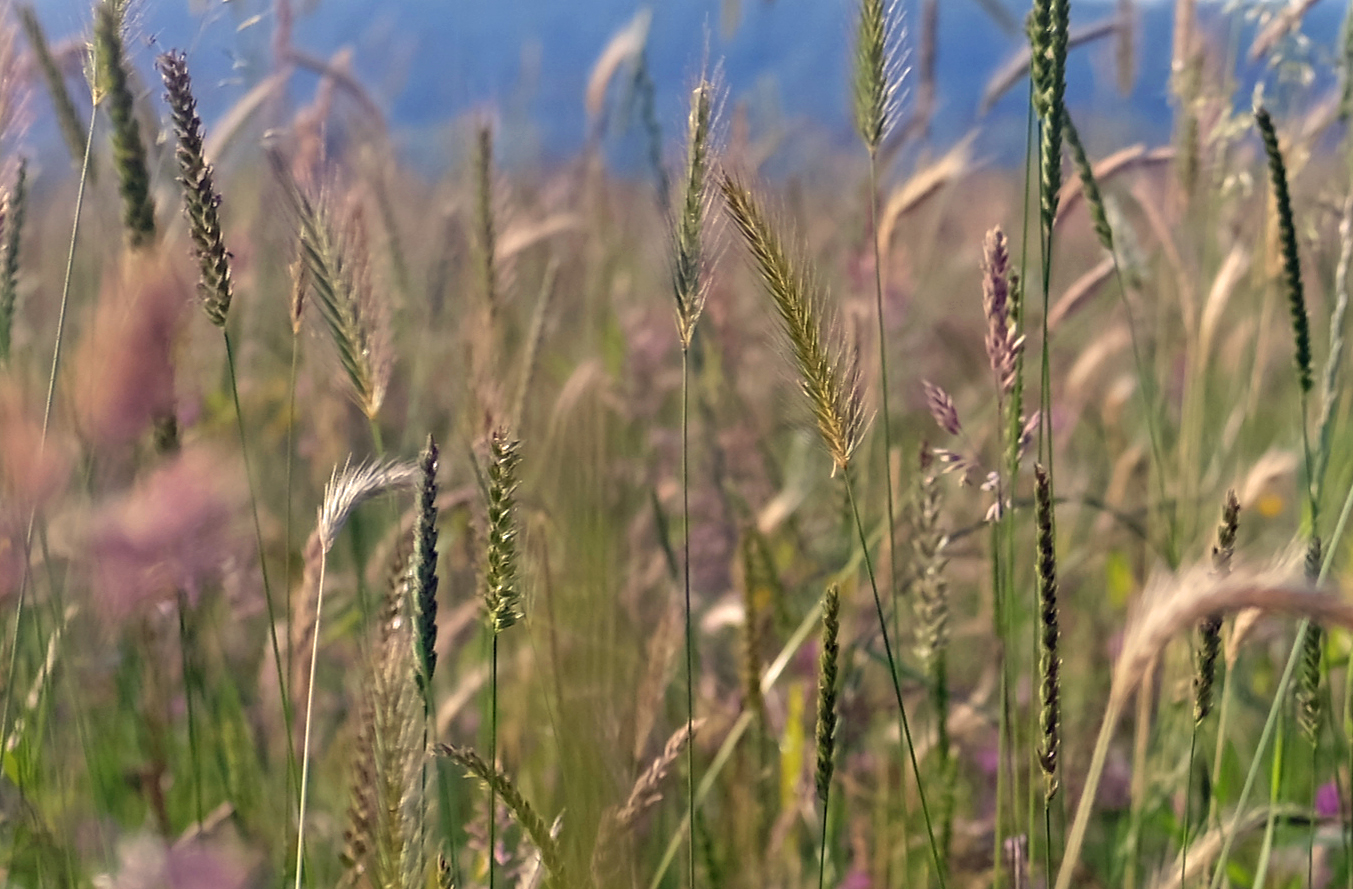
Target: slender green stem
892,673
267,587
493,750
188,684
19,606
822,851
883,374
291,459
309,708
1188,803
686,584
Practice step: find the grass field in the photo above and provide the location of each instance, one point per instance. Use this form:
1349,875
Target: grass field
897,522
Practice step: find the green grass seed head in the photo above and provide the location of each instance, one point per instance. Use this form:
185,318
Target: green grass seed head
1287,242
112,85
826,690
502,591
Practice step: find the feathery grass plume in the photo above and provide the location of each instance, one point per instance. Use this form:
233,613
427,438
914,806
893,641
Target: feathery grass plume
484,219
12,213
1049,25
1089,186
1003,344
201,200
67,117
502,594
337,267
111,82
1209,630
1287,236
1050,664
826,690
1312,648
929,542
425,571
877,72
536,828
826,375
688,279
342,494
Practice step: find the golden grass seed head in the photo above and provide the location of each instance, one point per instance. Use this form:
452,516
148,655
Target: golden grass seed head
689,280
830,381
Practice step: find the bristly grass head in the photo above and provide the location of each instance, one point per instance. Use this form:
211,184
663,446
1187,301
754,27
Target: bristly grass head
1287,239
351,486
1209,630
828,377
878,71
691,261
826,690
201,200
502,590
425,570
1050,664
12,210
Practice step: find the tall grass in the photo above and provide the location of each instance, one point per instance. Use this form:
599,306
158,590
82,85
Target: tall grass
1057,633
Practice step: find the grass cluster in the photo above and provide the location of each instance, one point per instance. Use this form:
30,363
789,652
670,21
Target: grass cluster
519,528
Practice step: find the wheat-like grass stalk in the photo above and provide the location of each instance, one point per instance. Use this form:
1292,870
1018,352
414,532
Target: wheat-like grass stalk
201,200
345,490
690,277
502,591
877,72
502,786
1049,26
337,269
827,378
12,214
112,85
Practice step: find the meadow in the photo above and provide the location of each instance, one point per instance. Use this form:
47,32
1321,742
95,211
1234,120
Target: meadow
898,520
